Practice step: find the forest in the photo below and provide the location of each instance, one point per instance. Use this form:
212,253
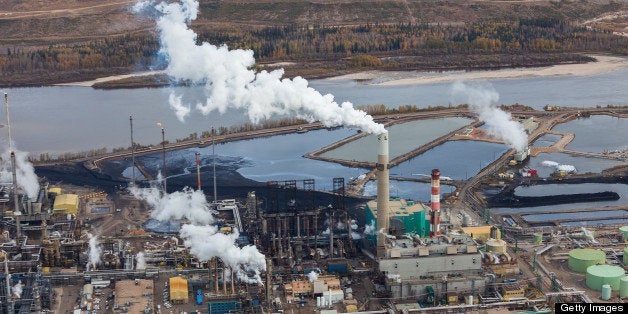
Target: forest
402,46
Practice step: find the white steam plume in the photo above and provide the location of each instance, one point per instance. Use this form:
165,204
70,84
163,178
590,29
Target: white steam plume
312,276
188,203
370,228
140,261
231,84
93,252
559,167
206,242
17,289
180,110
25,172
354,226
203,239
481,100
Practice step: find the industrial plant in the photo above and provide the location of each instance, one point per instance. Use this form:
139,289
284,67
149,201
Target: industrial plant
144,229
289,246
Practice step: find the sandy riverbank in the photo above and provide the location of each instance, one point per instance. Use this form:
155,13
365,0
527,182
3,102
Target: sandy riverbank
111,78
604,64
391,78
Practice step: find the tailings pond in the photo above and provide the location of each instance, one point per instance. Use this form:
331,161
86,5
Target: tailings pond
597,133
458,160
558,189
567,211
546,140
581,164
263,159
404,137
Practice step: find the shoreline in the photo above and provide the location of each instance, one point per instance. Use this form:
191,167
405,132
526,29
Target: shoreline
91,83
604,64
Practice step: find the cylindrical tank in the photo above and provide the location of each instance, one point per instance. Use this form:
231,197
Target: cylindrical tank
606,292
538,238
623,287
599,275
495,245
624,232
580,259
626,256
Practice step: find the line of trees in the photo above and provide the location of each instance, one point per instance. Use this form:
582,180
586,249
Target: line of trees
527,35
64,62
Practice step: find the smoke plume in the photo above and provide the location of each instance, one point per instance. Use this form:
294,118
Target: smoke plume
140,262
481,100
180,110
25,172
206,242
312,276
188,203
93,252
231,84
559,167
370,228
17,289
201,237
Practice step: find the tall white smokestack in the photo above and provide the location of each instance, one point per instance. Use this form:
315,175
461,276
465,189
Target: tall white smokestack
16,202
382,194
435,204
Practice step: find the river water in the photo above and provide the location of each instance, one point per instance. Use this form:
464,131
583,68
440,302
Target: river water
59,118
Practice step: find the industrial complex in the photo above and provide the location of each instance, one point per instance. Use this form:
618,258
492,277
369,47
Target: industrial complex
289,247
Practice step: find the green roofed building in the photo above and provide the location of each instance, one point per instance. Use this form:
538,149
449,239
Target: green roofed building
405,217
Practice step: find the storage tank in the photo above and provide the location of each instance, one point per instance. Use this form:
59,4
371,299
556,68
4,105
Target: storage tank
599,275
624,232
606,292
626,256
580,259
495,245
623,287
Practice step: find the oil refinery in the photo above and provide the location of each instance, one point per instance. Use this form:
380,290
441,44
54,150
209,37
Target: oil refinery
286,246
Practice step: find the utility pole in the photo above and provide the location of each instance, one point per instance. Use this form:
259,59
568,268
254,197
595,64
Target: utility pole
214,165
163,148
198,170
132,151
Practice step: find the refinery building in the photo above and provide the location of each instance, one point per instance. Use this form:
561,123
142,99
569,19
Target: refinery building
416,259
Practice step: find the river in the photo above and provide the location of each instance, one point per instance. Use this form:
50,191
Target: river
58,119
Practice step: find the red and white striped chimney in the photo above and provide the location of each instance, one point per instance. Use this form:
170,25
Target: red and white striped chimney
435,204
